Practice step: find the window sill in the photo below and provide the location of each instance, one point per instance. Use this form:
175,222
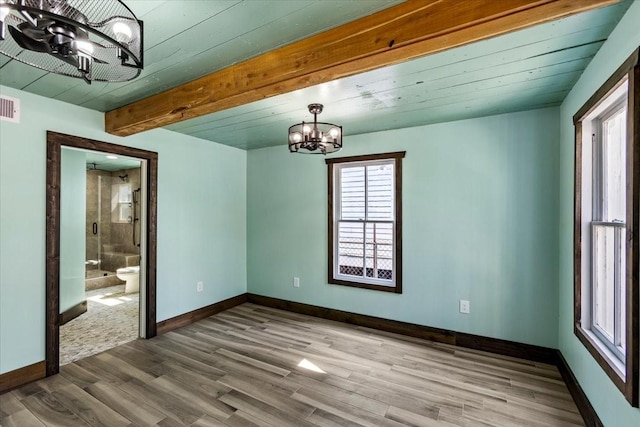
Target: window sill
393,289
610,357
612,366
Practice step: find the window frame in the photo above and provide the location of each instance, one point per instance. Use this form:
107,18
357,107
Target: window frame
334,279
626,379
601,218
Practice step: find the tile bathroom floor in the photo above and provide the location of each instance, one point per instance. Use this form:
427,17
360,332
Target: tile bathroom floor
111,320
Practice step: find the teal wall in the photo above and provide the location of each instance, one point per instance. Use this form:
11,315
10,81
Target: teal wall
73,220
488,216
201,219
604,396
480,207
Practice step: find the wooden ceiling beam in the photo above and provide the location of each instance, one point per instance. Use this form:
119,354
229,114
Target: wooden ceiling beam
400,33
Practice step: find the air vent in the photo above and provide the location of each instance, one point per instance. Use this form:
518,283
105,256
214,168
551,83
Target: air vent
9,109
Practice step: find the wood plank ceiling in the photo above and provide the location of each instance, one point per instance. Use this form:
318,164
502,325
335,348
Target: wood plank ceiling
526,69
185,39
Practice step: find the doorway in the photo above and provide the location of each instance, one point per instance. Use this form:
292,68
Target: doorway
144,233
101,217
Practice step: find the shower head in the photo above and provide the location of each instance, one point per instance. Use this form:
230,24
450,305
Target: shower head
124,177
93,166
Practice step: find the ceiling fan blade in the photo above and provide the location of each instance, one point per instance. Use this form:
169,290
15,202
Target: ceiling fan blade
35,33
38,38
40,34
42,24
69,59
28,43
73,61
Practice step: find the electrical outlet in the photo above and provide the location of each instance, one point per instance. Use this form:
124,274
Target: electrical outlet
465,306
296,282
200,287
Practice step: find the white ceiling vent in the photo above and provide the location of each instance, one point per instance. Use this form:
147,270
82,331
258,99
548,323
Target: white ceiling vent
9,109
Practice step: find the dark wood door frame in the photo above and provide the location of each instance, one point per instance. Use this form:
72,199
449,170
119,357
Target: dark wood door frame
55,142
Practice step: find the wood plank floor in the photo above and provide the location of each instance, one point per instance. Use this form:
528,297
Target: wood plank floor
257,366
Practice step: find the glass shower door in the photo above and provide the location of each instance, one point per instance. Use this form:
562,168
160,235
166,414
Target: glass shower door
97,181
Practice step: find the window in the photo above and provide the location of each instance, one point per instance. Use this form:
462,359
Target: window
606,241
608,226
365,228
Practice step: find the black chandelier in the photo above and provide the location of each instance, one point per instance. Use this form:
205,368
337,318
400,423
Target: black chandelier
98,40
316,137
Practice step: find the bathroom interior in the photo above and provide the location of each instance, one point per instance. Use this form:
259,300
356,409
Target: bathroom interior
112,227
112,259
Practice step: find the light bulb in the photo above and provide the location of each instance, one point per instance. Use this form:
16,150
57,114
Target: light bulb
84,47
334,133
84,50
306,128
4,11
295,137
122,31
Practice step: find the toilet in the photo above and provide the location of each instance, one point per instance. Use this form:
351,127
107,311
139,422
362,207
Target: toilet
131,275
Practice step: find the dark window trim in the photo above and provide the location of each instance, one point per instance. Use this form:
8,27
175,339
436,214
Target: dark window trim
629,384
397,156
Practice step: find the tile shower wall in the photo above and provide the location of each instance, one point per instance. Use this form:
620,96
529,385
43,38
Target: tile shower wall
115,235
121,231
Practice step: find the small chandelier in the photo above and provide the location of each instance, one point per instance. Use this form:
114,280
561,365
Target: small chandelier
309,137
99,40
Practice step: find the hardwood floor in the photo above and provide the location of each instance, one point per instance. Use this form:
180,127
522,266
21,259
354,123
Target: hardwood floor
258,366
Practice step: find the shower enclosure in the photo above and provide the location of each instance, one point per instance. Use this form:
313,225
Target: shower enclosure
112,224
